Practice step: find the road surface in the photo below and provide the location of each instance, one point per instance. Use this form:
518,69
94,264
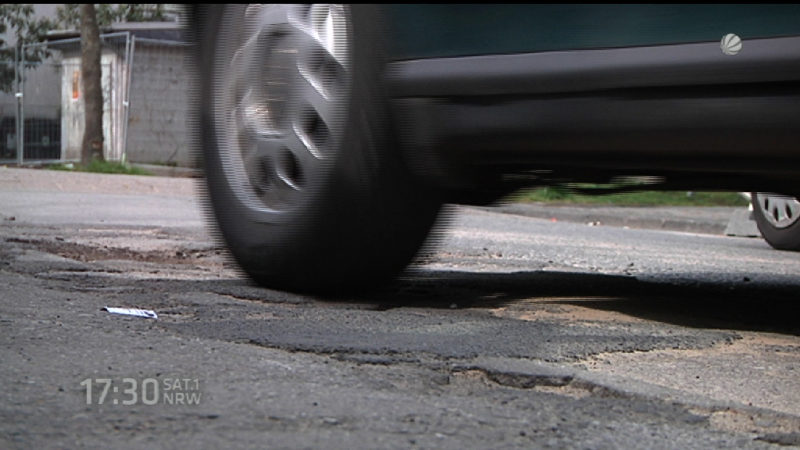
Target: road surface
513,332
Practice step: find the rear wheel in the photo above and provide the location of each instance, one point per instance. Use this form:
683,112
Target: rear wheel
303,176
778,219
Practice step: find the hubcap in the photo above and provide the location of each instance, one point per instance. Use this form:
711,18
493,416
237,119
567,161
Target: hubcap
281,81
781,211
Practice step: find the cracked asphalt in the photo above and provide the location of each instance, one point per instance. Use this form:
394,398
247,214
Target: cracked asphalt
515,332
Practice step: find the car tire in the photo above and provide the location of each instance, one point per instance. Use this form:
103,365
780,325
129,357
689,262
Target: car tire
309,191
778,219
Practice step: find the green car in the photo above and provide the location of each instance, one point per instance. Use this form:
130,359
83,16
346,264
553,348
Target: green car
331,135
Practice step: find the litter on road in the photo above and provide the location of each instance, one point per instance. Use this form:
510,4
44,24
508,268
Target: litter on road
146,313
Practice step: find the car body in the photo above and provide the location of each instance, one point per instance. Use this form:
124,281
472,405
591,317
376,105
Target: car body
315,117
594,91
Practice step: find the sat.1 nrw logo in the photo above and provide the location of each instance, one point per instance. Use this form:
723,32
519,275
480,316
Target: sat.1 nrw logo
731,44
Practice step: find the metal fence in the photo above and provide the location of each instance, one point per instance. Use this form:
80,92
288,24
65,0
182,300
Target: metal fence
8,113
158,108
144,103
30,118
41,111
42,117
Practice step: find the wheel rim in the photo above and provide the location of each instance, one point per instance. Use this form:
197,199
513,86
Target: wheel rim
281,84
780,211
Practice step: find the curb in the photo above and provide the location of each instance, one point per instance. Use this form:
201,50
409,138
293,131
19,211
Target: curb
716,220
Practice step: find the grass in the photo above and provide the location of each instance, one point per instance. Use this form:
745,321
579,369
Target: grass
97,166
644,198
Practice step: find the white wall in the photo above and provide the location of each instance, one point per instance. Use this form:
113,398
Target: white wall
72,117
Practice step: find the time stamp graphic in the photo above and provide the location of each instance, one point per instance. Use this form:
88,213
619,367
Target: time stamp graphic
144,391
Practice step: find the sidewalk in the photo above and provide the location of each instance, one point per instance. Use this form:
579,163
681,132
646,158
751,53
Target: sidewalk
732,221
718,220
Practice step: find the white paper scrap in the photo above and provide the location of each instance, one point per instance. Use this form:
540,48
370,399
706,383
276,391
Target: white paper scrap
133,312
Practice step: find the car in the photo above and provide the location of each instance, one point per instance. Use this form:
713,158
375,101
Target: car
331,135
778,219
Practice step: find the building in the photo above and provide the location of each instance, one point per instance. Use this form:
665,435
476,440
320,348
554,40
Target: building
144,93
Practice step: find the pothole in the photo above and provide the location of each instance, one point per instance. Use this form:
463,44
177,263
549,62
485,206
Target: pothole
769,427
759,370
550,384
564,308
88,253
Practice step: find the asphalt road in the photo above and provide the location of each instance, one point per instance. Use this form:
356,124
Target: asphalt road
515,332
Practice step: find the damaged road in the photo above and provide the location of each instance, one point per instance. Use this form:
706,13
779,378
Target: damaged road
515,332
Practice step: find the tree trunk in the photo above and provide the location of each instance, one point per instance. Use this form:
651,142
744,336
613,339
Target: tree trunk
92,146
